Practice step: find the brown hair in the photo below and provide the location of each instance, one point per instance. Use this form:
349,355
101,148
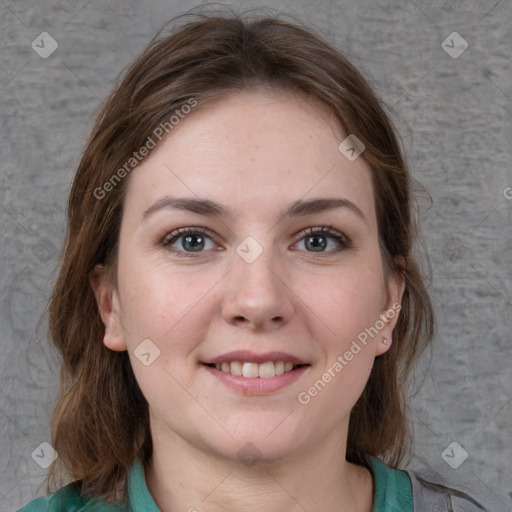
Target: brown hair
101,424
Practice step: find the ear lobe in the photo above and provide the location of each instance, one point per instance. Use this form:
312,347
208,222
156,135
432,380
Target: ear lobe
108,307
391,310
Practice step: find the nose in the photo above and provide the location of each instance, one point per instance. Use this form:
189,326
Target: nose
257,295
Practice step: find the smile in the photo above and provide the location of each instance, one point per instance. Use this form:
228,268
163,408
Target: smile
252,373
253,370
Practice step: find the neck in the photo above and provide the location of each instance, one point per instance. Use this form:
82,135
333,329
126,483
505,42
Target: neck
183,477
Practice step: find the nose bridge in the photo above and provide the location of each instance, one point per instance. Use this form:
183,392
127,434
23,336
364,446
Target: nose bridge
257,294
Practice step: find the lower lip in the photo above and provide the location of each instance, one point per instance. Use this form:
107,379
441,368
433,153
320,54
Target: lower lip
257,385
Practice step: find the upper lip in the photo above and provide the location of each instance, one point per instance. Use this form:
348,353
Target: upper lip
252,357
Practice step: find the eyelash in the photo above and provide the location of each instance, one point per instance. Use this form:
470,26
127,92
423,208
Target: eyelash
327,231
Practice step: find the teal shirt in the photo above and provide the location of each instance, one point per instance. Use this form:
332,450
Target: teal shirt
392,494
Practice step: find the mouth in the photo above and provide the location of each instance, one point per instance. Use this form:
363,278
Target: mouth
256,374
252,370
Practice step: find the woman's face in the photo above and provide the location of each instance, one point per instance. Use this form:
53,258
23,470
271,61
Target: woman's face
221,264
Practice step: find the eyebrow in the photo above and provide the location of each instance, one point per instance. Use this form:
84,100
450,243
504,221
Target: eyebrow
212,209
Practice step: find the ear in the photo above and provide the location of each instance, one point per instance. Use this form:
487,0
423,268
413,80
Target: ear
108,305
394,290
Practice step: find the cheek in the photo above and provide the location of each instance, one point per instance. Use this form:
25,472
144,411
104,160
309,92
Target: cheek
347,300
347,304
169,309
346,314
162,305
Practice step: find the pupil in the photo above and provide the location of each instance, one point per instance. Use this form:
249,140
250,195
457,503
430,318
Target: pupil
313,240
190,241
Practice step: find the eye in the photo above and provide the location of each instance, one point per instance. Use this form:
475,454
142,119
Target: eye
190,240
319,239
186,241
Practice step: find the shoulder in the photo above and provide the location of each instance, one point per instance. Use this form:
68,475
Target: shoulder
392,491
429,491
69,499
434,492
66,498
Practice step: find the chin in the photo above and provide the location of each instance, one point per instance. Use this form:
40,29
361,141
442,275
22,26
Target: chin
264,441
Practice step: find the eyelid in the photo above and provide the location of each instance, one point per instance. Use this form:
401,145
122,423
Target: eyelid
186,231
330,232
343,240
173,236
323,230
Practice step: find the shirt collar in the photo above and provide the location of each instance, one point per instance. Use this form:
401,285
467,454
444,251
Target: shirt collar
391,487
138,492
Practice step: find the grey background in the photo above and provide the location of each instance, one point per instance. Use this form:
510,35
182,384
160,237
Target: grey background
454,116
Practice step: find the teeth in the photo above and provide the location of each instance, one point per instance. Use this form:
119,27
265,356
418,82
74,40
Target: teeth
236,368
253,370
250,370
266,370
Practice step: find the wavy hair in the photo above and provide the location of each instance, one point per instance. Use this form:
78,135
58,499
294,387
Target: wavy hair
100,424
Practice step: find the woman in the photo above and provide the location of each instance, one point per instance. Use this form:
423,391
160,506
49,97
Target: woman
239,304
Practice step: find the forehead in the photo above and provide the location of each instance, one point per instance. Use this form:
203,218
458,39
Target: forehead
253,149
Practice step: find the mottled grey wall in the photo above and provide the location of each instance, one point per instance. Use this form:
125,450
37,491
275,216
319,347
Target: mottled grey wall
454,115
